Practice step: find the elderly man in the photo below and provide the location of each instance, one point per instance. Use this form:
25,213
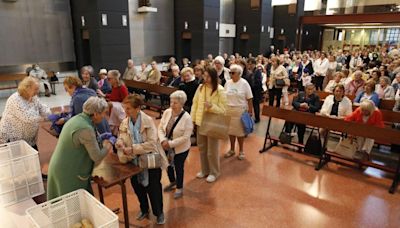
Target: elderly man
175,79
130,71
154,75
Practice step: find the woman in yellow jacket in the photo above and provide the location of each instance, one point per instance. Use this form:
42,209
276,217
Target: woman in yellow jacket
209,97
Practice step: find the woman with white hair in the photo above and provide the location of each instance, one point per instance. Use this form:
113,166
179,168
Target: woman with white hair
88,80
368,114
78,150
239,100
384,90
223,72
41,75
22,113
174,133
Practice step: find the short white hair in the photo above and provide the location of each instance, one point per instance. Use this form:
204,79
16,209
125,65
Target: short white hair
179,95
175,67
94,105
220,59
367,105
236,68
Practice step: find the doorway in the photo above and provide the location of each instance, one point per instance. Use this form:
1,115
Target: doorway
86,57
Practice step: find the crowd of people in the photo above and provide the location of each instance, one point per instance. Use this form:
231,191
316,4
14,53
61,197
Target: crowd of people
105,116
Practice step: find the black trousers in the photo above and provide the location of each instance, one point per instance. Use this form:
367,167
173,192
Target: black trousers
179,163
275,92
301,130
256,107
319,80
153,191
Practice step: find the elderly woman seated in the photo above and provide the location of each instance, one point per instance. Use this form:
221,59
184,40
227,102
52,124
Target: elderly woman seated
334,82
368,114
78,150
117,95
88,80
368,94
384,90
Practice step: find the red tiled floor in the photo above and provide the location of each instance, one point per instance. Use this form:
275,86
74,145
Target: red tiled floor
275,189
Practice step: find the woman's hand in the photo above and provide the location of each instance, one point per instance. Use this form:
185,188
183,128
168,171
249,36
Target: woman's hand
100,93
165,145
119,145
128,150
60,121
208,105
107,144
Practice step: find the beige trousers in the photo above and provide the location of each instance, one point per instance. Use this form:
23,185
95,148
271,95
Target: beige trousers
209,154
365,144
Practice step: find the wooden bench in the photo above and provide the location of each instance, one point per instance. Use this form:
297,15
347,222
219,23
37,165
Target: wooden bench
11,77
152,88
379,134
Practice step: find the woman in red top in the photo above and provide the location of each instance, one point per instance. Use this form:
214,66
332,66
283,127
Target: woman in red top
367,113
117,95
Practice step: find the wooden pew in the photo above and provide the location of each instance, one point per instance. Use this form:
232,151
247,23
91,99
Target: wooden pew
152,88
380,134
11,77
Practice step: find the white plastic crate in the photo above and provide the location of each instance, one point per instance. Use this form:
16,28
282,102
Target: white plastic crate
68,209
20,173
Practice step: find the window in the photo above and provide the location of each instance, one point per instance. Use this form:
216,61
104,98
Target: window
392,35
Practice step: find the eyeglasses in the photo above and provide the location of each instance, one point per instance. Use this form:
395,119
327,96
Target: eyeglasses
232,72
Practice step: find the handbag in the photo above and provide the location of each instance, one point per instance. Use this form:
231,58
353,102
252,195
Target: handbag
280,82
285,137
150,161
214,125
248,123
346,147
313,144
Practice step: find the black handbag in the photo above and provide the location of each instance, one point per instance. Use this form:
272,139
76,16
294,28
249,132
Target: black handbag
280,82
285,137
313,144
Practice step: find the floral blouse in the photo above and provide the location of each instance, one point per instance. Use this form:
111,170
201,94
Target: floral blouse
20,119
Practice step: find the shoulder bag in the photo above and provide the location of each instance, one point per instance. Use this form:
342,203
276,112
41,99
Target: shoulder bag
214,125
171,151
314,144
346,147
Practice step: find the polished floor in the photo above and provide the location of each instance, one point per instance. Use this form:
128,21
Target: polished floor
278,188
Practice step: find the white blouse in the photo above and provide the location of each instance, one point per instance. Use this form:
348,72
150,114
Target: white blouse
20,120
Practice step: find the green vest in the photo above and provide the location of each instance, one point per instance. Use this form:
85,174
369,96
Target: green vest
70,166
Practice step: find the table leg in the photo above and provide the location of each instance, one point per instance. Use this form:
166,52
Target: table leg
101,193
125,204
325,158
268,137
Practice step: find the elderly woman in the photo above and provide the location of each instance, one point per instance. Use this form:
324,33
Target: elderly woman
239,100
174,133
368,94
138,136
154,75
384,90
278,79
103,83
368,114
198,73
77,151
117,95
189,85
223,72
355,86
22,113
209,97
88,80
41,75
79,95
175,78
334,82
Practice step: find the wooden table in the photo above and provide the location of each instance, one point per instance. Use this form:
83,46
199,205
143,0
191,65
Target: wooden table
111,172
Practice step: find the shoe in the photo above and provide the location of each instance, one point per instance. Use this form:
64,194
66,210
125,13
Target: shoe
160,219
140,216
211,178
200,175
241,156
228,154
170,187
178,194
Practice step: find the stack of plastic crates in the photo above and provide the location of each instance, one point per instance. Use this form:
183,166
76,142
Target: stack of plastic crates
20,173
